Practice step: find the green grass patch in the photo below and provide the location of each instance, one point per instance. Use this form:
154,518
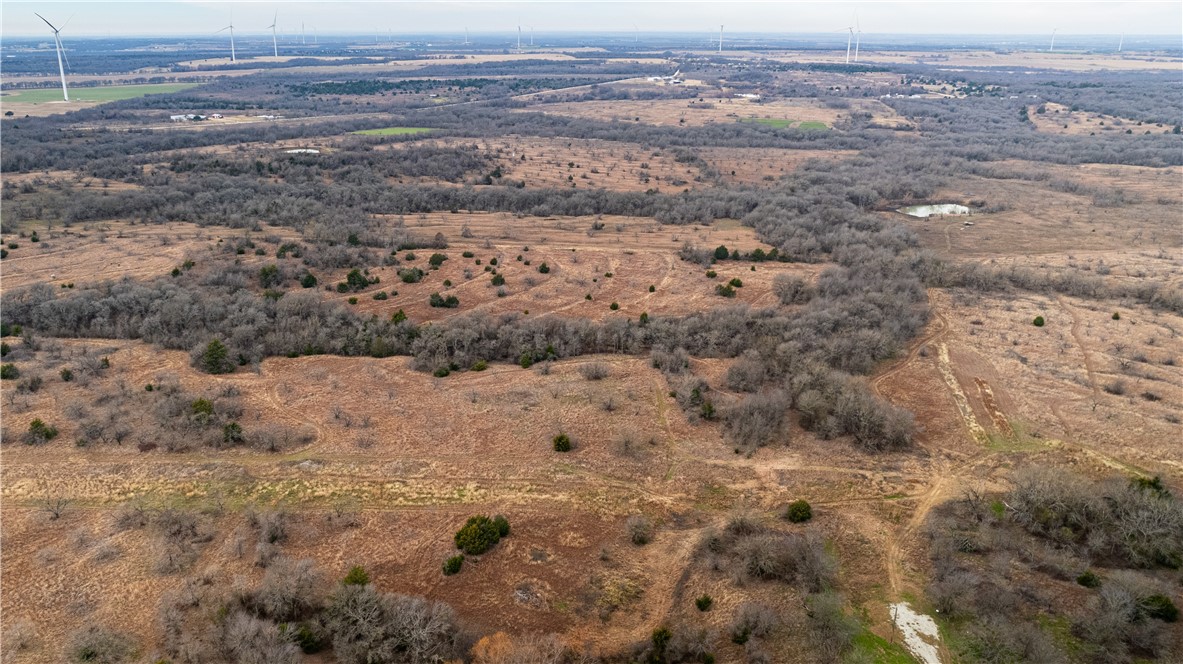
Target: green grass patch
813,125
783,123
775,123
870,647
394,131
101,94
1060,629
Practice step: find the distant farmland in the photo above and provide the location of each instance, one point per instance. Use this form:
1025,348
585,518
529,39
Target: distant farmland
101,94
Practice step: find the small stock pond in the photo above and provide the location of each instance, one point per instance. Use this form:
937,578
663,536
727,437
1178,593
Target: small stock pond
933,210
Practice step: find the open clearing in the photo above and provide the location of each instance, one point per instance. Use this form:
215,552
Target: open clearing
1060,119
97,94
48,101
695,113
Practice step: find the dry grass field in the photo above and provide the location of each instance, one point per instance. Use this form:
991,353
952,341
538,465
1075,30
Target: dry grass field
1060,119
91,253
1097,207
695,113
598,164
636,253
409,454
1067,61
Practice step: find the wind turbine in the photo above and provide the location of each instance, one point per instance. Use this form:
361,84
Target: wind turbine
636,34
1053,46
466,42
858,35
531,36
848,40
1120,42
519,39
720,38
231,29
274,43
303,37
57,41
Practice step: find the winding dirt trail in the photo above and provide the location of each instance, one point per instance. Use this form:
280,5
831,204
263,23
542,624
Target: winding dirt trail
1084,350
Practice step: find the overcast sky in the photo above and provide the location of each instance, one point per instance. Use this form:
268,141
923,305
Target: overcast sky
185,17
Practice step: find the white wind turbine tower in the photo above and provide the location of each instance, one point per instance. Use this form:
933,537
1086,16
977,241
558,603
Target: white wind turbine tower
636,34
1053,46
303,37
57,41
274,43
1120,42
720,38
466,42
849,38
858,35
519,39
231,29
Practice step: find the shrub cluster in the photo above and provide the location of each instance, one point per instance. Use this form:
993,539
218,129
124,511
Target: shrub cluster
480,533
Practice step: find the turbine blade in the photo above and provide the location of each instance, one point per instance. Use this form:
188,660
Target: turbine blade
222,30
67,22
64,55
46,21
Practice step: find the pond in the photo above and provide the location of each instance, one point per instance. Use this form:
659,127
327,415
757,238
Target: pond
934,210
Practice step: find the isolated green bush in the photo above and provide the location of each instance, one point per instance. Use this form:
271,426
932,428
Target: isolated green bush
1089,580
215,359
357,576
799,511
1038,322
452,565
562,443
1161,608
478,535
40,432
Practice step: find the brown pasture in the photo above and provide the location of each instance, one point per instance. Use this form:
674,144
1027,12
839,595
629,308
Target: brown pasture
694,113
1060,119
91,253
636,252
1116,207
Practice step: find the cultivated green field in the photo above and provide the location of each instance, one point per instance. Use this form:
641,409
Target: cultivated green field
782,123
103,94
393,131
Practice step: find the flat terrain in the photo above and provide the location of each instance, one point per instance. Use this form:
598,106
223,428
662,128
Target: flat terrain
695,113
1086,207
87,254
1041,59
1060,119
48,101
